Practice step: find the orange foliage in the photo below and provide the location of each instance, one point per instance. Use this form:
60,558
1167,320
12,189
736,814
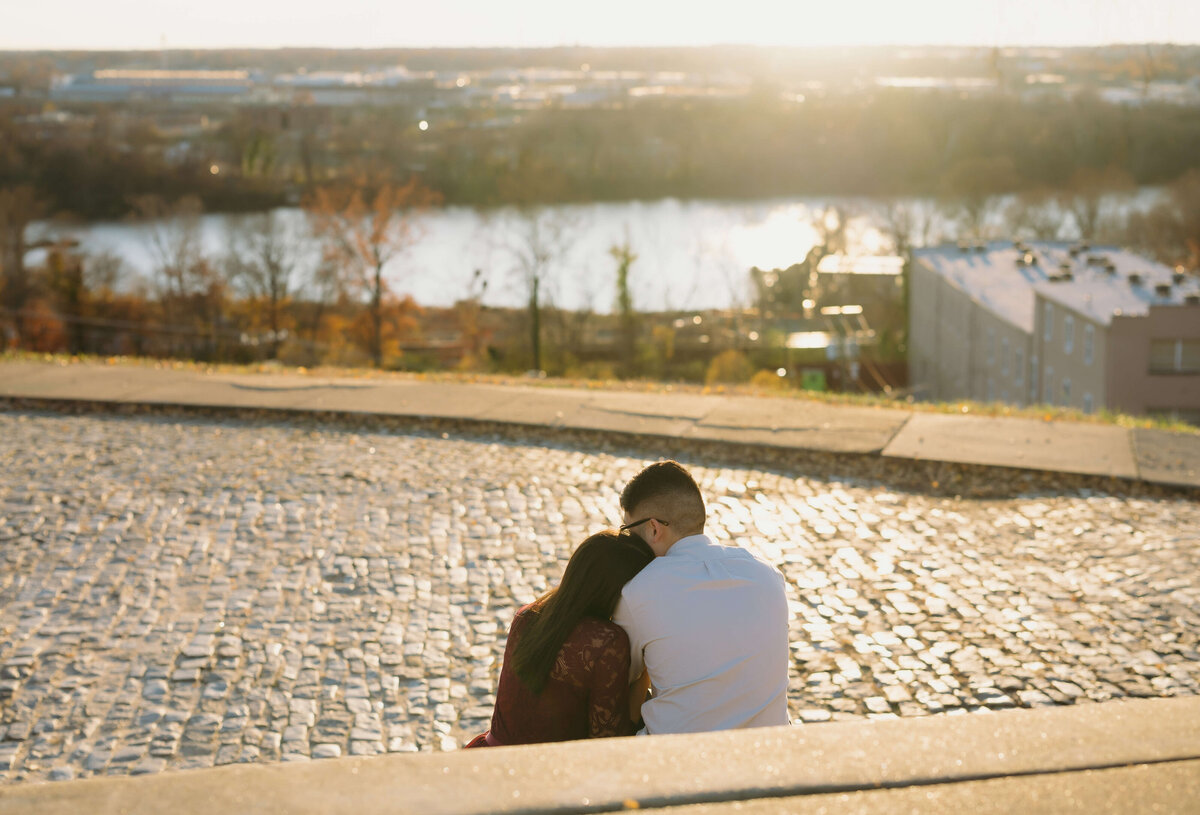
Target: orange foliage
43,330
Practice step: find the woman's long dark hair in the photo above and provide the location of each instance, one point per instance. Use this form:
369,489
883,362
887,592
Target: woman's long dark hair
590,587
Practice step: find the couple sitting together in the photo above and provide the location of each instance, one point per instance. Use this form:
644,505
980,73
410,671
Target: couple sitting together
653,629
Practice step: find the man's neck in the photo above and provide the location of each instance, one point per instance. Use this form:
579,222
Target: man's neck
661,552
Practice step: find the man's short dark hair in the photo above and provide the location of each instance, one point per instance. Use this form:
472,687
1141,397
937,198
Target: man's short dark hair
667,491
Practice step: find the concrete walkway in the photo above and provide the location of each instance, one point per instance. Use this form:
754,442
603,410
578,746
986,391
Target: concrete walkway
1128,756
1153,456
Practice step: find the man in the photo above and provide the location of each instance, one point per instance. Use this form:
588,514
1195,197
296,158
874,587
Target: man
709,623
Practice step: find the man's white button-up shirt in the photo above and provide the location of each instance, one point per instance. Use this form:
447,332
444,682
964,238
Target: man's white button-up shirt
710,623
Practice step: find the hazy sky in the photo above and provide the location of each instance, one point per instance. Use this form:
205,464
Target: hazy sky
125,24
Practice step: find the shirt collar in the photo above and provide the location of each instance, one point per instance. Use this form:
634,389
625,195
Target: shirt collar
691,545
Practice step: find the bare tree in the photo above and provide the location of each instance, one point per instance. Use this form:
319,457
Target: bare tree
971,191
264,258
538,241
624,255
1034,215
103,272
831,224
363,231
909,223
190,290
1090,197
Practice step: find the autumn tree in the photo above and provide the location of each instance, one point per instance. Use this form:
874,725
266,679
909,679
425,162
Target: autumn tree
364,229
66,284
1170,231
467,312
19,207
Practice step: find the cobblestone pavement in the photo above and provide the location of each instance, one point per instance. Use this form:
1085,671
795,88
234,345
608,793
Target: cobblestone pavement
187,592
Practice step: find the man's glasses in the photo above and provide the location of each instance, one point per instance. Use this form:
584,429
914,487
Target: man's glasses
629,526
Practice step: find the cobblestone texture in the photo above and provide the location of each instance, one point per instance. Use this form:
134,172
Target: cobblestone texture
184,593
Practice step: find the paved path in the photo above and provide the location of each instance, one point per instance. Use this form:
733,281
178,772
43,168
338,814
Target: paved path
183,592
1058,447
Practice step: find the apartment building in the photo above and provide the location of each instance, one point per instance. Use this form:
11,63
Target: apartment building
1054,323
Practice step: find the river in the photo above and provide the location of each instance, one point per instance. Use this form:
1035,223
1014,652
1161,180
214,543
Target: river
691,254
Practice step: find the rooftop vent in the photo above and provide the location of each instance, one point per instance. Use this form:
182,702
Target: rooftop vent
1135,279
1177,277
1110,268
1064,274
1085,246
1074,251
1026,259
1192,300
1163,290
1096,260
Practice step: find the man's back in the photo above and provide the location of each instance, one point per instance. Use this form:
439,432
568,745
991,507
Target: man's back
711,624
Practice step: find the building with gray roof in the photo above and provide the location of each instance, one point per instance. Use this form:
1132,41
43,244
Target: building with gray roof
1055,323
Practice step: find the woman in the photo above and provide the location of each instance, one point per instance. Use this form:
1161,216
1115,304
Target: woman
566,664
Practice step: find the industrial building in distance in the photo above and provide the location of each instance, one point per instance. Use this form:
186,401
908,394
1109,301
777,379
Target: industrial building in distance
1091,328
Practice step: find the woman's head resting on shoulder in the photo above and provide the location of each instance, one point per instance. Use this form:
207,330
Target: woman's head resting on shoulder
590,587
597,571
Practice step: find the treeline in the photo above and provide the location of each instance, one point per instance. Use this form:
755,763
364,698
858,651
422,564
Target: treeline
96,172
890,143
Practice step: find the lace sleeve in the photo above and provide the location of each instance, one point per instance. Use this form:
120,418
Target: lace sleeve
608,700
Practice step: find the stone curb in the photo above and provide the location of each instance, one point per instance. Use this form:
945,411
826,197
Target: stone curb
928,476
1021,746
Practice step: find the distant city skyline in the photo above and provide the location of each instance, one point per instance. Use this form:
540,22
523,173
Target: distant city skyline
153,24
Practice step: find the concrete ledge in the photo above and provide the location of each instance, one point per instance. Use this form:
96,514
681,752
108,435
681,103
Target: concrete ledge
1065,447
876,766
1169,787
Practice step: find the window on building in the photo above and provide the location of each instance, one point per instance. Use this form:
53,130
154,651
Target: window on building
1019,366
991,346
1004,355
1089,343
1048,387
1175,356
1048,322
1066,390
1088,407
1068,334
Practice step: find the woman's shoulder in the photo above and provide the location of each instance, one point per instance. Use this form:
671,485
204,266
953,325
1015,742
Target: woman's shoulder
524,615
595,630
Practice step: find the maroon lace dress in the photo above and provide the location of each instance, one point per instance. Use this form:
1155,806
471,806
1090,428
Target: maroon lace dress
586,696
